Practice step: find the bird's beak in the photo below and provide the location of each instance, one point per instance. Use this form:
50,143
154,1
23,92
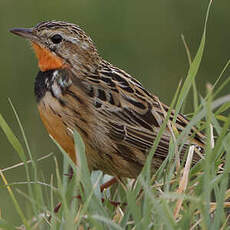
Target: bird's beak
24,32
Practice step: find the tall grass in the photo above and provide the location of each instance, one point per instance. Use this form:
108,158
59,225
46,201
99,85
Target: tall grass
175,197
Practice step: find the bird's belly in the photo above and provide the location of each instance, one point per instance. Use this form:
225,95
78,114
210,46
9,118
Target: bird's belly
50,112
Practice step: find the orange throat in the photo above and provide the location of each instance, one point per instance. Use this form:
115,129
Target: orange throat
46,59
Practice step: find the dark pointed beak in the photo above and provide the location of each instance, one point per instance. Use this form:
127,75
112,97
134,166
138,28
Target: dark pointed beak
24,32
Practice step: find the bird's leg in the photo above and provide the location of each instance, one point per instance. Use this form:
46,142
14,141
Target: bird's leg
108,184
102,187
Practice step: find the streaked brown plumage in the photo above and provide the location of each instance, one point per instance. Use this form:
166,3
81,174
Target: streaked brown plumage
116,116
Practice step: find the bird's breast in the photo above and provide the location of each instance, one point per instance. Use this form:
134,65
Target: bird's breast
51,115
62,108
54,81
49,89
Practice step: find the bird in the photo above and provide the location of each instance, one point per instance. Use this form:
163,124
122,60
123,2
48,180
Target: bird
117,118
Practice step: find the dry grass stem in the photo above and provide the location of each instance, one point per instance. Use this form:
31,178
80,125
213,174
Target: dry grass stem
28,162
184,180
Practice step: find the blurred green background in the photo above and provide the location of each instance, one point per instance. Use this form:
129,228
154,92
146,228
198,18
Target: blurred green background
142,37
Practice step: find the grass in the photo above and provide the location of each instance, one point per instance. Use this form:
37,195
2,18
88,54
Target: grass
177,196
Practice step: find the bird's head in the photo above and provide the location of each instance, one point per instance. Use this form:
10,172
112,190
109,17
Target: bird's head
59,44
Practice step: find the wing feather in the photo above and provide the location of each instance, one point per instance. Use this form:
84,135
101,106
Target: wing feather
133,115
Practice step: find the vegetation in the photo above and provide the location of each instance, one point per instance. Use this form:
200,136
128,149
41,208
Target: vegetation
177,196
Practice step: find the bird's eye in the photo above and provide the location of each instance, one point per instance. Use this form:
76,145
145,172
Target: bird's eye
57,38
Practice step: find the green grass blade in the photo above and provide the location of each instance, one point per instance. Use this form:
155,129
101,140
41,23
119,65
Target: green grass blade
16,204
194,67
12,139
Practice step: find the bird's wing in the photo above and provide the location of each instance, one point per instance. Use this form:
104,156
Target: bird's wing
131,114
